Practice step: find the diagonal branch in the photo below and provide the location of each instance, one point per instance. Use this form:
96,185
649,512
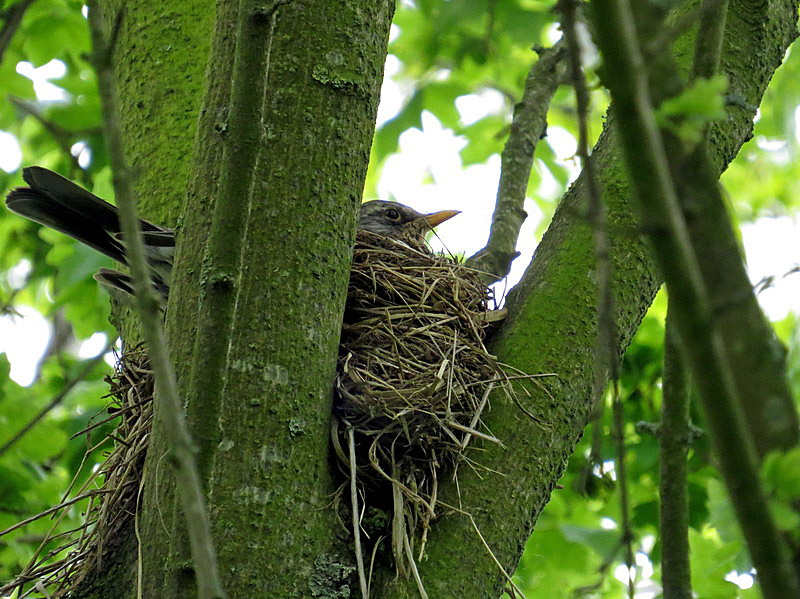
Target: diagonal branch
12,17
527,126
756,357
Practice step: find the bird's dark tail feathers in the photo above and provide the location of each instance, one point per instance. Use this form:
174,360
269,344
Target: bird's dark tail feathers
60,204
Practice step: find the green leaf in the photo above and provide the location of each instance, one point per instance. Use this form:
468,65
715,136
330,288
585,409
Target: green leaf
410,116
700,103
485,137
714,560
602,541
781,474
786,518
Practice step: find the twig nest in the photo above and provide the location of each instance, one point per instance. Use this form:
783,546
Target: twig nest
414,376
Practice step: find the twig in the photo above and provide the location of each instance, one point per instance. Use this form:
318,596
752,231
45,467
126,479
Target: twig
626,538
527,126
666,228
169,405
673,441
12,17
55,401
594,457
53,509
62,137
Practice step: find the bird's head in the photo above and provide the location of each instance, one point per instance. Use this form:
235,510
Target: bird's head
393,218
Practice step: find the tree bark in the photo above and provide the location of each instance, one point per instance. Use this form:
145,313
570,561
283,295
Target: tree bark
159,61
674,437
268,458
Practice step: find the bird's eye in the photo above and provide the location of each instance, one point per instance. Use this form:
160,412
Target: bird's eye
392,214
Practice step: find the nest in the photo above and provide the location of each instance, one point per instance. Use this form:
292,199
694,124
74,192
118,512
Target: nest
110,494
413,383
414,380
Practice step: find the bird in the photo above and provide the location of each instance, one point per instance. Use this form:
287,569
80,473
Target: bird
393,219
58,203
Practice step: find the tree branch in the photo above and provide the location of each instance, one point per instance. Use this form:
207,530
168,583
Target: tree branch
626,532
527,126
708,43
168,405
673,442
551,327
12,17
62,137
756,357
666,229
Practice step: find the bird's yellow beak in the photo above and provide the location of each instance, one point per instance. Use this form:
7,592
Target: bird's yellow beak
437,218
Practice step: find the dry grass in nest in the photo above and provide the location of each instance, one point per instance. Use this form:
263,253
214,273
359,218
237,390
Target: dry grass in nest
413,382
112,489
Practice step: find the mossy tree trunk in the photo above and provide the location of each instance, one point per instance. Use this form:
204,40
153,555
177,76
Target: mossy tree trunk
269,475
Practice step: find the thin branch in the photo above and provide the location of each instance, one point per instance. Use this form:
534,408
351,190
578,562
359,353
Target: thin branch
674,437
62,137
55,401
662,220
594,458
626,538
674,429
606,359
53,509
169,406
708,43
224,251
12,17
527,126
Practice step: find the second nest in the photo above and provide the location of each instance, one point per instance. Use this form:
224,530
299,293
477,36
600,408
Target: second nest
414,379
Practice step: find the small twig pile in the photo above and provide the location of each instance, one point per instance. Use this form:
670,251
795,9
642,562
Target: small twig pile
112,489
414,379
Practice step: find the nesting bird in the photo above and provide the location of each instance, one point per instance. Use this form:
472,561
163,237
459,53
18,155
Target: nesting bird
60,204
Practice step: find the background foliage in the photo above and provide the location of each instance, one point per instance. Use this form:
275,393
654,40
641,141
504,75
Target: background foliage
441,51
